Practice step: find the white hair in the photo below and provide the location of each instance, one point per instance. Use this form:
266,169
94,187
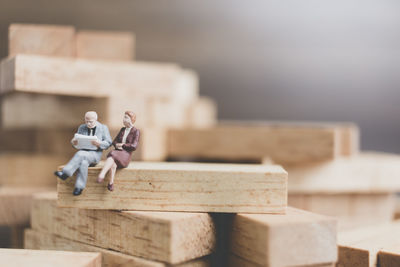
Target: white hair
91,114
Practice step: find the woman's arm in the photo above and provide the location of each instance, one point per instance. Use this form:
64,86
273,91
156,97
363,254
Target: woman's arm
131,146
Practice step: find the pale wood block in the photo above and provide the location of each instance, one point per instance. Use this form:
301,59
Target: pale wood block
25,169
46,241
15,204
202,113
105,45
176,186
168,237
49,258
389,256
351,209
365,172
278,240
360,247
350,139
282,142
236,261
41,39
153,145
50,111
166,113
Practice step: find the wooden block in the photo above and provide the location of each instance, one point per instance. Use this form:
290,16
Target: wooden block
105,45
360,247
59,111
41,39
48,258
283,143
351,209
365,172
202,113
278,240
46,241
175,186
350,139
389,257
167,237
236,261
25,169
152,146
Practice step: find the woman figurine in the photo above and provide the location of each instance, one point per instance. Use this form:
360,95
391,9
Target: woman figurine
125,143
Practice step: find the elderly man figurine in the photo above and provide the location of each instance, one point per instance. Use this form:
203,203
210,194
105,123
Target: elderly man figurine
84,158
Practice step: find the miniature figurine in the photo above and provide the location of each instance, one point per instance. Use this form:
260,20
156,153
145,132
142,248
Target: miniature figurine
91,139
125,143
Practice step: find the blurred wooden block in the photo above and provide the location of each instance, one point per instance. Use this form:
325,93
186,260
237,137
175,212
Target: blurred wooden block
284,143
105,45
365,172
46,241
361,246
236,261
50,111
25,169
389,256
202,113
351,209
350,139
175,186
168,237
152,145
15,204
48,258
278,240
41,39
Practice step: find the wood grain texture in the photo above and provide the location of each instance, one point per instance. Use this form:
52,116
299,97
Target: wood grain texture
284,143
360,247
45,241
352,210
51,40
49,258
175,186
365,172
105,45
389,256
15,204
168,237
278,240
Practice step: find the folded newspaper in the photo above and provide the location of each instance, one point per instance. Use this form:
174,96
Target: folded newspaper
85,142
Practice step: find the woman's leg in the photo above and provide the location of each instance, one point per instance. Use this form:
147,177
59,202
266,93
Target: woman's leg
113,170
107,166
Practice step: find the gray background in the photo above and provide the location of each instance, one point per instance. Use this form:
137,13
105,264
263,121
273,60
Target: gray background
335,60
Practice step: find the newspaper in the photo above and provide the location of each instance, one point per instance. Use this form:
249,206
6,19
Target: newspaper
85,141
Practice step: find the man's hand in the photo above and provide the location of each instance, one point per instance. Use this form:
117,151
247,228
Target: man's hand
96,143
119,146
74,142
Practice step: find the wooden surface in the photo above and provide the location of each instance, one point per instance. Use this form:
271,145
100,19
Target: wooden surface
175,186
105,45
202,113
365,172
15,204
51,40
45,241
167,237
351,209
389,256
360,247
284,143
279,240
48,258
236,261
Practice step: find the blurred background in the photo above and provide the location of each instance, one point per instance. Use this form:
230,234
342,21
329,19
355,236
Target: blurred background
260,60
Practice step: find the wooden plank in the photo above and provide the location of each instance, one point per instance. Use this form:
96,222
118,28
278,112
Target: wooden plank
202,113
168,237
48,258
41,39
360,247
351,209
46,241
15,204
283,143
176,186
105,45
236,261
365,172
350,139
278,240
389,256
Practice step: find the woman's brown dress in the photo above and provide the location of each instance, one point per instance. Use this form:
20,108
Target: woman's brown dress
124,156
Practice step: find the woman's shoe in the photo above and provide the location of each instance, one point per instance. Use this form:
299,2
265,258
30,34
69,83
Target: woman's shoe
110,186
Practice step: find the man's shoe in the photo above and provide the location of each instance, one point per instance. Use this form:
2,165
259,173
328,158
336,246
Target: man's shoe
77,191
61,175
